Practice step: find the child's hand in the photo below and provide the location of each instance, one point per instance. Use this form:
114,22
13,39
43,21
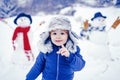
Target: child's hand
63,51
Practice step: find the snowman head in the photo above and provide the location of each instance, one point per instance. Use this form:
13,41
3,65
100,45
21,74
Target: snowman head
23,20
98,20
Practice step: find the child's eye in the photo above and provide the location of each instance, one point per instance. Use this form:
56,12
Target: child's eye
54,33
62,33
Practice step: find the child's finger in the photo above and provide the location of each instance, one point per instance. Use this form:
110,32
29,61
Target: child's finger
62,46
63,51
63,54
59,51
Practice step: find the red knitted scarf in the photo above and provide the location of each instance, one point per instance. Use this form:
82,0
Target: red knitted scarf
25,36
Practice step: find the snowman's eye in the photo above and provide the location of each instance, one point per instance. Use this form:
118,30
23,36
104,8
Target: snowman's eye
99,19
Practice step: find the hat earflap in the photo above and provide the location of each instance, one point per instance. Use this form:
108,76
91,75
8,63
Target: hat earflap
72,42
71,46
74,37
44,44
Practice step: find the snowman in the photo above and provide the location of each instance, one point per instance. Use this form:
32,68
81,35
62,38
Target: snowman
94,46
97,34
21,39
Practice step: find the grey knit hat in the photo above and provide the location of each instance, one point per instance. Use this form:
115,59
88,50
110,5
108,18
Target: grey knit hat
59,22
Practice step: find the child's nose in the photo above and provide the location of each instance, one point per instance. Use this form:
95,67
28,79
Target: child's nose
58,36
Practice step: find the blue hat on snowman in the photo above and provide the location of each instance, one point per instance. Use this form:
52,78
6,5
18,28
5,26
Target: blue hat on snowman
23,15
98,14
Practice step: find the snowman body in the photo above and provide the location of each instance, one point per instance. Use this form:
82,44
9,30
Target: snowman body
19,55
99,37
99,53
96,49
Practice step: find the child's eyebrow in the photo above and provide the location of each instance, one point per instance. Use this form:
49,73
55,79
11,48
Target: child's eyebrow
61,31
65,31
52,31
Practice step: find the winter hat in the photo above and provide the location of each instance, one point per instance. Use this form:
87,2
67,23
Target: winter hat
23,15
98,14
59,22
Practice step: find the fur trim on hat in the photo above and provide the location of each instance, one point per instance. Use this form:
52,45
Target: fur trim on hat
45,44
59,23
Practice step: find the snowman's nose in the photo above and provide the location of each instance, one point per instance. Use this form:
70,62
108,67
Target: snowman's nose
22,19
102,20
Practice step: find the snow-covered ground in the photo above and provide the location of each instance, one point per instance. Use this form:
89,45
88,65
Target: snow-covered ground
95,69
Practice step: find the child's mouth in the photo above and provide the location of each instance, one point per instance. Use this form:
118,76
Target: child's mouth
58,40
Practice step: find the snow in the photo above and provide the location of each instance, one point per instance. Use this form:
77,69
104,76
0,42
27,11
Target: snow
97,67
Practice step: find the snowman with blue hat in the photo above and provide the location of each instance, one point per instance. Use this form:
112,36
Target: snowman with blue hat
98,36
98,25
97,29
96,50
21,38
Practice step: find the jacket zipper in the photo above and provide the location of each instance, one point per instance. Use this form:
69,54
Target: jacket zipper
57,67
58,56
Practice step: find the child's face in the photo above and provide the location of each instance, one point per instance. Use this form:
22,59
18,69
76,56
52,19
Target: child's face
59,37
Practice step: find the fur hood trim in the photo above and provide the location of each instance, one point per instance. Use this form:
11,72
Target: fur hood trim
45,44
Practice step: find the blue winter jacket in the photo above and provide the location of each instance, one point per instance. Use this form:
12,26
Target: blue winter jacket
53,66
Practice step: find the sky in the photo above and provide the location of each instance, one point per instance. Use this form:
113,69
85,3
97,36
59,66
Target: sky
10,8
15,67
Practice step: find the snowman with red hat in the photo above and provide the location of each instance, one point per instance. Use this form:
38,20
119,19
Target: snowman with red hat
21,39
